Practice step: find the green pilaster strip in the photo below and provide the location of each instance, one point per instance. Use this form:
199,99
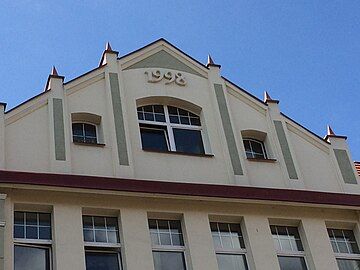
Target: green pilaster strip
285,149
59,132
345,166
119,119
229,133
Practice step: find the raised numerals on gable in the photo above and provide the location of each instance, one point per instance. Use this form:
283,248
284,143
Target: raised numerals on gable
154,76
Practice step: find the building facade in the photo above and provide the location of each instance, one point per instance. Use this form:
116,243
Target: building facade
155,161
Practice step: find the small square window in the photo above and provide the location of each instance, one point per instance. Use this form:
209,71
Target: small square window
100,229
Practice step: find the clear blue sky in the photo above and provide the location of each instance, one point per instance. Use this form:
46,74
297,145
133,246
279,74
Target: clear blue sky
305,53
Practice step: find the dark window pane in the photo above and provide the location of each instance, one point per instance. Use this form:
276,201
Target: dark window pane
188,141
348,264
175,226
154,139
184,120
213,226
149,116
112,223
90,130
223,228
99,223
174,119
231,262
152,224
88,235
31,232
113,237
140,116
19,218
31,218
148,108
169,260
26,258
177,239
163,225
172,110
78,129
165,239
273,229
100,236
159,109
102,261
45,233
160,117
292,263
256,147
19,231
44,219
183,112
195,121
281,230
354,247
87,222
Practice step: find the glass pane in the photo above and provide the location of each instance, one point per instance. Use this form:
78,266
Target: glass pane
113,237
172,110
188,141
87,222
31,232
78,129
217,242
247,145
149,116
348,264
231,262
159,109
19,218
19,231
342,247
195,121
177,239
292,263
88,235
26,258
183,112
90,130
99,223
174,119
175,226
184,120
285,244
154,238
213,226
154,139
354,247
257,148
45,233
44,219
169,260
140,116
100,236
102,261
163,225
152,224
226,241
31,218
160,117
112,224
334,246
148,108
165,239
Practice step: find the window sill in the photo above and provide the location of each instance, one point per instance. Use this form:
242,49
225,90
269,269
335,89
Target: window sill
179,153
90,144
267,160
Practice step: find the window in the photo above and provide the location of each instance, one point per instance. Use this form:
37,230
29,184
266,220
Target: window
32,238
345,248
229,246
166,128
254,149
289,248
84,133
102,243
167,244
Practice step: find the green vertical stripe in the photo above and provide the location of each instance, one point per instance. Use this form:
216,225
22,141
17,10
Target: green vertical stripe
345,166
119,119
285,149
229,133
59,133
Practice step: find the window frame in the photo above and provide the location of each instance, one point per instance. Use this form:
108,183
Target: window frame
83,129
288,253
103,247
169,248
34,243
170,126
263,148
230,251
345,256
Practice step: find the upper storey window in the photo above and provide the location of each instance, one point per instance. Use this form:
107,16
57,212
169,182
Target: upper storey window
87,129
84,133
254,149
167,128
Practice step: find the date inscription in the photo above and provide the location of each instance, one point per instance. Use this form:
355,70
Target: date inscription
154,76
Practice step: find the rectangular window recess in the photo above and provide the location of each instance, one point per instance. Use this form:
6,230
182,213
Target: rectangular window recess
178,153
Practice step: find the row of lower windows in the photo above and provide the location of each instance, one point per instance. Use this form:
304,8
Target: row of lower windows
167,129
32,237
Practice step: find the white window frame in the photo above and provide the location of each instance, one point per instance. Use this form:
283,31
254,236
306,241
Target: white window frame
170,126
83,128
102,247
252,151
170,248
35,243
232,251
288,253
345,256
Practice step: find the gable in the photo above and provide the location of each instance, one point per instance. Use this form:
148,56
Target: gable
163,59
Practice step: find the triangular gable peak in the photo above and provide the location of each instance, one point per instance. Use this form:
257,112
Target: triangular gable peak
162,54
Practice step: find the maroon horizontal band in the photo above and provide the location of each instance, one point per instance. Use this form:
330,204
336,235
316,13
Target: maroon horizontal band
175,188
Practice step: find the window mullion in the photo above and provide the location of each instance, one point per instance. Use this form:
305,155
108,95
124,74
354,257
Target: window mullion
169,130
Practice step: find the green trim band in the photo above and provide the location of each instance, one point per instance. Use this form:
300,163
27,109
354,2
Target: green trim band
59,133
119,119
229,133
345,166
285,149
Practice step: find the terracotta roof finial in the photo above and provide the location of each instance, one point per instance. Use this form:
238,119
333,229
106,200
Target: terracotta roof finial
108,47
54,71
210,62
330,131
268,99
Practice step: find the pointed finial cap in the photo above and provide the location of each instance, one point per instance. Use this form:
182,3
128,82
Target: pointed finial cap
268,99
331,134
330,131
54,71
108,47
210,62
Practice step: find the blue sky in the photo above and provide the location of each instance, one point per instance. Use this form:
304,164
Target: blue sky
305,53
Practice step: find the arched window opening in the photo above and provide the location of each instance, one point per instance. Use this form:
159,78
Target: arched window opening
254,149
168,128
84,133
86,128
